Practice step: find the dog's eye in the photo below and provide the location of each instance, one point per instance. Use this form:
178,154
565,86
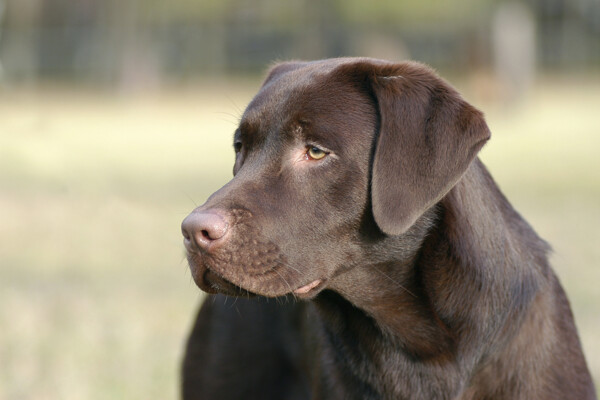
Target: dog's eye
237,146
315,153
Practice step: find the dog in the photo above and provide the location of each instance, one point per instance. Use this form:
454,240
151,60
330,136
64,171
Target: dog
371,253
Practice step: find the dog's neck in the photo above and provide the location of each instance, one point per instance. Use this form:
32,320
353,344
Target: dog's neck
473,236
383,330
390,297
387,298
406,296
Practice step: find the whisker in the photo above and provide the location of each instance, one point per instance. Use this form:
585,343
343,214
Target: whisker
396,282
286,282
186,265
235,105
235,301
290,267
234,118
230,114
228,121
190,198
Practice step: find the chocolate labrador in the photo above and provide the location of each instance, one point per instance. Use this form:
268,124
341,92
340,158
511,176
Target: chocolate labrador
372,254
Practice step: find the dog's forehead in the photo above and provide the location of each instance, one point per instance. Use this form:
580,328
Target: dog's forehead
283,92
300,93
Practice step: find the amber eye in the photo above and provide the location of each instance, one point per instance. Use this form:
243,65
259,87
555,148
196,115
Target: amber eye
315,153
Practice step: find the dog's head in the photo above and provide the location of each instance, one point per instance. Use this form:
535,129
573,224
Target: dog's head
333,158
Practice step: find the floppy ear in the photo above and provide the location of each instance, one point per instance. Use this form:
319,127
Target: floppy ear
428,137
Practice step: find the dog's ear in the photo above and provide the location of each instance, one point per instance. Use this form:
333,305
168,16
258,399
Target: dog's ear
427,138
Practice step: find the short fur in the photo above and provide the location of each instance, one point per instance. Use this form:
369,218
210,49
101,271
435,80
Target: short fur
429,285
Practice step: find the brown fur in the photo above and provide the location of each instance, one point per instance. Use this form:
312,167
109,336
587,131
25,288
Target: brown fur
429,285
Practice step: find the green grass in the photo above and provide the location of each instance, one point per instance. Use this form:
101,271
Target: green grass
95,295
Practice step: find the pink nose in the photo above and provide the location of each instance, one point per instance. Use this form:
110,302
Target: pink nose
202,229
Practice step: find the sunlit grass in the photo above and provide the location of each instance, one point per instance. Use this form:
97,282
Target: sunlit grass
95,296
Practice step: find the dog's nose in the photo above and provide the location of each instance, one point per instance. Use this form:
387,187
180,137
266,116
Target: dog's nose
203,228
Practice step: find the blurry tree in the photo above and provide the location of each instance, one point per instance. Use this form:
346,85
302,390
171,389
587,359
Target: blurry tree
138,42
412,12
513,43
20,29
569,32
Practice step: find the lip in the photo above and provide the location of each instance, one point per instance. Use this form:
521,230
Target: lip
307,288
199,272
213,282
310,290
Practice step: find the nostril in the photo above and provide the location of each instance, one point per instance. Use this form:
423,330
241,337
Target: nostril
203,228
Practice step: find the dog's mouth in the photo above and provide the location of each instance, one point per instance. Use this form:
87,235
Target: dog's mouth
213,283
248,264
310,290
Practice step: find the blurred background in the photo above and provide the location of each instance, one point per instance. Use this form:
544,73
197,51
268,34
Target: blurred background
116,118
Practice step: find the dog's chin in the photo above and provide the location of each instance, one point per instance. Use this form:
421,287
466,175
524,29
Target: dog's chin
223,286
212,283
